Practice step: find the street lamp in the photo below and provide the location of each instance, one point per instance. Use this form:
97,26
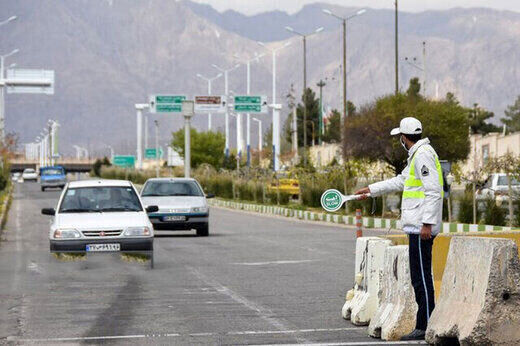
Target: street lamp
209,80
259,140
226,92
2,59
276,120
248,122
344,21
304,37
10,19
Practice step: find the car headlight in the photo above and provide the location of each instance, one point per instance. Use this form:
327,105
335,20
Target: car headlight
66,234
199,210
137,232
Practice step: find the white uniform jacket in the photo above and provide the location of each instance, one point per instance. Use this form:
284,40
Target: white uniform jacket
419,211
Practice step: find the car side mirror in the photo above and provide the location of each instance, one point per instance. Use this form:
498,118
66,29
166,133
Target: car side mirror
152,209
48,211
210,195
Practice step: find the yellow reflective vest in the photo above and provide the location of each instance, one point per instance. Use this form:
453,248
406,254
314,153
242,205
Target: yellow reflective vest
421,184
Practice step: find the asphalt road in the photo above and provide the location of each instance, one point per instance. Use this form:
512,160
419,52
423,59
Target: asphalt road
254,280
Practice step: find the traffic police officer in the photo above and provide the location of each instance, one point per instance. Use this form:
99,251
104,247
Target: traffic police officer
421,212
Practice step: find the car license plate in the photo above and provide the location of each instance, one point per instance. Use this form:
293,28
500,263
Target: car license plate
103,247
175,218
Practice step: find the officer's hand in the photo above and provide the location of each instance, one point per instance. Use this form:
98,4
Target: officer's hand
426,232
362,191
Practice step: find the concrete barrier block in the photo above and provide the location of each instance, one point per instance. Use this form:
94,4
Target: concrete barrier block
368,265
396,313
479,303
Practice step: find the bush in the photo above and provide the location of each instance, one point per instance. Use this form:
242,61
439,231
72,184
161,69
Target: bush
494,215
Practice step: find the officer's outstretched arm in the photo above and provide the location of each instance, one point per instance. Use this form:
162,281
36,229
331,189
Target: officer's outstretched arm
427,171
394,184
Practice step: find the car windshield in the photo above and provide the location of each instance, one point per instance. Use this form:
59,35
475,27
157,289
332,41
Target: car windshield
171,188
502,181
100,199
52,171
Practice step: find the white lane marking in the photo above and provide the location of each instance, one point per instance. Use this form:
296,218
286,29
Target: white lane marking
33,266
163,335
264,313
273,262
360,343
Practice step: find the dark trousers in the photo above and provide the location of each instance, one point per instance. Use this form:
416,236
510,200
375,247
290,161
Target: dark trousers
420,252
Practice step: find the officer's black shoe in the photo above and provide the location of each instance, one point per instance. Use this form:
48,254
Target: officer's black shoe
415,335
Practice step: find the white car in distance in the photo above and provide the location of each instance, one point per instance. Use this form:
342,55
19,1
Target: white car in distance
182,204
101,216
29,174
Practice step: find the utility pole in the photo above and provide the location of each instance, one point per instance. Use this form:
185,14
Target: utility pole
396,48
321,84
304,86
157,148
424,68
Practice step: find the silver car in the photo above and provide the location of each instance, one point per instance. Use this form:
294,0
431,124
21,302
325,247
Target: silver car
182,204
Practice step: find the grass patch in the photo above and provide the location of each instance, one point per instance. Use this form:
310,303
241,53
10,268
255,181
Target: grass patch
70,257
132,257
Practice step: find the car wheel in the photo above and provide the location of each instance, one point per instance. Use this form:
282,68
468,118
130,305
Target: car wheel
43,189
203,231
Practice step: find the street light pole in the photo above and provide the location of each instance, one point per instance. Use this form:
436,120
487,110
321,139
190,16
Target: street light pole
343,121
139,107
304,36
2,91
259,140
209,80
188,110
226,92
156,148
248,115
276,120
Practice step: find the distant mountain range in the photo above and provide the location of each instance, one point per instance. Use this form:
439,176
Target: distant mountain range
109,55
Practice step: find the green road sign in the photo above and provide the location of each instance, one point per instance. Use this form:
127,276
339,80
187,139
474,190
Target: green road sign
248,99
151,153
168,108
166,103
248,108
250,104
160,99
126,161
331,200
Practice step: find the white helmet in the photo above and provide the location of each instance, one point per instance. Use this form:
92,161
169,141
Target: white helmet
408,126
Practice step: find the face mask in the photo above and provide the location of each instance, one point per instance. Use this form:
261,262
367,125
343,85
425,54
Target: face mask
402,143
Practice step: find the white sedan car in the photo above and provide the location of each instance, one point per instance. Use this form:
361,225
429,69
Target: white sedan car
29,174
101,216
182,204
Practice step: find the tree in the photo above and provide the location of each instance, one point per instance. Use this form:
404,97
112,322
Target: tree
333,128
444,123
512,118
477,120
206,147
414,90
312,104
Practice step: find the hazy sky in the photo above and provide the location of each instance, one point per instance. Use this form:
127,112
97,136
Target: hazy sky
255,6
